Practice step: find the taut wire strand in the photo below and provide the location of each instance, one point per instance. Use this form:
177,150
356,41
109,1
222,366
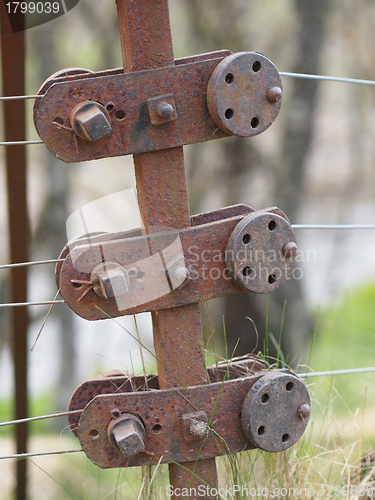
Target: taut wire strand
43,303
328,78
34,263
41,417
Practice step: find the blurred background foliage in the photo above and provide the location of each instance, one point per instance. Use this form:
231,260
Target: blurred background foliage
316,163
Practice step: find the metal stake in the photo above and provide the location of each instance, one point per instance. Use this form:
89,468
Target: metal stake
13,70
146,43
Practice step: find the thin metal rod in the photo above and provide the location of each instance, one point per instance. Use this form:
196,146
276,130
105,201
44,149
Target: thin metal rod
34,263
41,417
333,226
328,78
40,454
337,372
43,303
19,143
15,97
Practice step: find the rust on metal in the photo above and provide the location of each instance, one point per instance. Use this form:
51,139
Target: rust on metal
241,92
89,120
174,268
146,42
276,411
125,432
118,382
260,411
261,252
127,96
240,106
162,109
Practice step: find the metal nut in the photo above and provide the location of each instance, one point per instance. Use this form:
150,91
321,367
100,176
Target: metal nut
90,121
127,433
109,280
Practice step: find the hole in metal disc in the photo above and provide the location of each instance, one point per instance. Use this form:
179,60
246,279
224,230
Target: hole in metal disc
285,438
94,433
229,78
256,66
132,273
246,239
110,107
271,279
157,428
265,398
140,275
120,114
261,430
247,271
272,225
254,122
229,113
58,120
289,386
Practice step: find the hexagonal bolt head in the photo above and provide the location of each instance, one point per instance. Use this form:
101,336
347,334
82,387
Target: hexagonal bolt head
90,121
110,279
127,433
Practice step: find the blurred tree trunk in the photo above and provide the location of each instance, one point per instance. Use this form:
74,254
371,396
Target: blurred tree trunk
213,26
50,235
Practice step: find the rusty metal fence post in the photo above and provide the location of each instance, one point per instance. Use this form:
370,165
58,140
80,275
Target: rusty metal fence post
146,43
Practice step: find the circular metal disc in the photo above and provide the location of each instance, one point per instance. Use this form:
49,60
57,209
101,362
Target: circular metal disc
256,253
244,94
276,411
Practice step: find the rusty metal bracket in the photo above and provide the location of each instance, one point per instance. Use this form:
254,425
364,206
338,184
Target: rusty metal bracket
119,382
155,109
268,411
107,276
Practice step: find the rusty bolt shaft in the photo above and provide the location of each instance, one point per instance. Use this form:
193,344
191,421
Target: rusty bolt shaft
290,249
274,94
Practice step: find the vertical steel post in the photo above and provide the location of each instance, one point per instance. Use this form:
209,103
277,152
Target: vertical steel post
146,43
13,77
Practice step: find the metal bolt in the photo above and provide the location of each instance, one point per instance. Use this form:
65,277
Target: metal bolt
165,110
127,433
109,280
304,411
290,249
198,429
90,121
274,95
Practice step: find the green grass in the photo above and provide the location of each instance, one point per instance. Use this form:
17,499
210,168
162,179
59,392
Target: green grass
340,431
346,339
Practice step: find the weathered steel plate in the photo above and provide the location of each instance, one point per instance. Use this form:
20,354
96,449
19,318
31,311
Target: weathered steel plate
125,96
238,94
149,260
119,382
162,415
